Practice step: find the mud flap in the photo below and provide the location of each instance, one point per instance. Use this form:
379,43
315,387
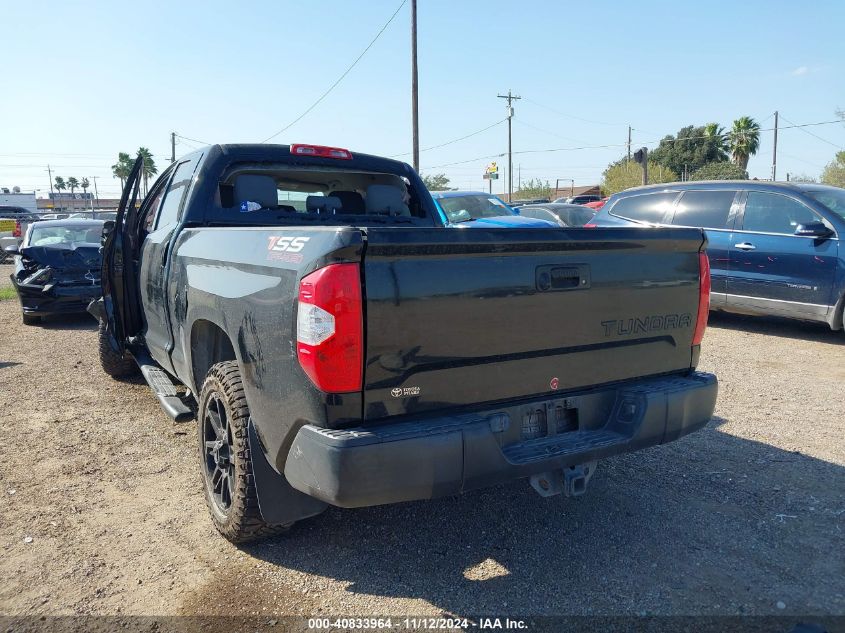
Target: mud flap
279,503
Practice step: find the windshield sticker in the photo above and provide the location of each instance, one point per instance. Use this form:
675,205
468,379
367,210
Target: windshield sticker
496,201
249,205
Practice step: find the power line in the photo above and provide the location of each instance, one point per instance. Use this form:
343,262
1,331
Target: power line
192,140
824,140
612,145
534,127
455,140
339,79
572,116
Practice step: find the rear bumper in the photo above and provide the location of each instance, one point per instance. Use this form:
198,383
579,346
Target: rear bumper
430,458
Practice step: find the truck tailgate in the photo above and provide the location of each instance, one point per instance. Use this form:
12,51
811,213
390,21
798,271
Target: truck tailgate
465,317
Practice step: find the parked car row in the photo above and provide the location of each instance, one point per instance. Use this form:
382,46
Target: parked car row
391,341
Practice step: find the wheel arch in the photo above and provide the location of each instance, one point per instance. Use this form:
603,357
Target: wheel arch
209,345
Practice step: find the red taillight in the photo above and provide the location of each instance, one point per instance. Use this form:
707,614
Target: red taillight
17,231
321,151
590,225
703,298
330,329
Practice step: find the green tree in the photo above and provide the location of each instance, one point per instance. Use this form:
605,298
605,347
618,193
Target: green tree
533,189
60,184
834,172
149,169
691,148
436,182
624,174
719,171
72,184
122,168
84,183
717,141
744,140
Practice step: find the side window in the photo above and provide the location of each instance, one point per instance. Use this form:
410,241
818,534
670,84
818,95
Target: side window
774,213
152,207
169,213
649,207
705,209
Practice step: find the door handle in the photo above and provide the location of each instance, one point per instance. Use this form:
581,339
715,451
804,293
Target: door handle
745,246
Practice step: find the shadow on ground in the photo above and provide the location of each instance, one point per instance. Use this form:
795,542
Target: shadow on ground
82,321
712,524
777,326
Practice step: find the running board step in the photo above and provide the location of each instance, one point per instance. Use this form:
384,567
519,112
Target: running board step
165,391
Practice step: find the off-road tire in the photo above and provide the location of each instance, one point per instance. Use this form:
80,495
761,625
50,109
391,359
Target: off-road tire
114,364
241,522
30,319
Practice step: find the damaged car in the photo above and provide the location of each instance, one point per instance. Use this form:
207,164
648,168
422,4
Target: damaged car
57,268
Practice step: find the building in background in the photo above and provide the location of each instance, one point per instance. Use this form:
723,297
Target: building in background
17,198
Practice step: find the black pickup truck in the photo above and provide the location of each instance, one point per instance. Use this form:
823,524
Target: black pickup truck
338,345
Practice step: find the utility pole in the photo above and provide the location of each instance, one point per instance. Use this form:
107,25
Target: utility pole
172,147
96,194
629,143
50,176
775,151
415,112
510,97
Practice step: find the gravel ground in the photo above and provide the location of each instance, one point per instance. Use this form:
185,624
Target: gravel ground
101,510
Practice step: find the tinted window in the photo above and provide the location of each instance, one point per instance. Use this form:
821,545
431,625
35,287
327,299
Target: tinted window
833,199
169,213
152,207
650,207
472,207
706,209
773,213
540,214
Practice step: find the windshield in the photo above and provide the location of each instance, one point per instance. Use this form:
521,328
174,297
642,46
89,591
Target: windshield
833,199
59,235
473,207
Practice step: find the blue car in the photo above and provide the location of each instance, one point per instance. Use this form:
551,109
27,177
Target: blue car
476,209
774,247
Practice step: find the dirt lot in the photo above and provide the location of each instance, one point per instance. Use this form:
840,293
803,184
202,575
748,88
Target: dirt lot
101,510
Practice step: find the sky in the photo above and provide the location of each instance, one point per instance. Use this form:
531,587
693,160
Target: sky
83,81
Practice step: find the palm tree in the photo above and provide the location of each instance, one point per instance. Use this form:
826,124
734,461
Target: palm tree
60,186
72,184
84,184
744,140
122,168
717,142
149,168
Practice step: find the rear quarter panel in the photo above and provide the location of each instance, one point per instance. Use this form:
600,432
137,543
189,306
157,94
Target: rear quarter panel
232,278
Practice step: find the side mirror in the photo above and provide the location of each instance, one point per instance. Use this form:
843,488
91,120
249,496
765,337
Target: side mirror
813,229
13,249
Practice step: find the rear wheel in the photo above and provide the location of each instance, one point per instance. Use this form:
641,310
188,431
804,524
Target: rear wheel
114,364
225,459
30,319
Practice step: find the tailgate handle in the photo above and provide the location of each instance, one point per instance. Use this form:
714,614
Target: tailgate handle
552,278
